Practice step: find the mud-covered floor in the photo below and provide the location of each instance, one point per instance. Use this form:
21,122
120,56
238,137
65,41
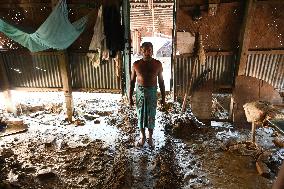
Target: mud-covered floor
98,149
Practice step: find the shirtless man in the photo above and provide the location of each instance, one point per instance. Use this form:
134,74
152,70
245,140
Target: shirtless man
146,71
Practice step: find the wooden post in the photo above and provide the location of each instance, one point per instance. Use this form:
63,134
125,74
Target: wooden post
6,88
244,37
253,127
66,77
118,65
66,81
231,109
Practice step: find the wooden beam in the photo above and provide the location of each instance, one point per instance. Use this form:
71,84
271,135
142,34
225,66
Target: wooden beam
39,5
253,128
33,89
66,81
156,5
245,37
269,1
267,52
6,88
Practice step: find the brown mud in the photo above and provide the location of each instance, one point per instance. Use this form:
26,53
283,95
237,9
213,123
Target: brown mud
101,152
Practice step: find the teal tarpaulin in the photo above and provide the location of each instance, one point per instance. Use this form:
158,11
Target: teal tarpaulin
57,32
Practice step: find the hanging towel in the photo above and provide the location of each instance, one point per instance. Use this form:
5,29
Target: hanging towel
57,32
97,40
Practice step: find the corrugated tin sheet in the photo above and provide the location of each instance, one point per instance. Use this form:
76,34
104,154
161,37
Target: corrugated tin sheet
222,73
41,70
85,75
267,67
32,71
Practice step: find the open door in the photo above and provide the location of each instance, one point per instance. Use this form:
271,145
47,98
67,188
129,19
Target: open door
127,51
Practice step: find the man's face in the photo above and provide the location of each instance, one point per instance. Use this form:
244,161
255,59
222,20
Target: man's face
147,52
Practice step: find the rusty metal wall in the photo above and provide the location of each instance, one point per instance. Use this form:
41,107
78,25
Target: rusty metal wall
85,75
222,73
32,71
41,70
268,67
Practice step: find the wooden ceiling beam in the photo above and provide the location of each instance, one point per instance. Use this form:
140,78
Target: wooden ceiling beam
156,5
39,5
147,24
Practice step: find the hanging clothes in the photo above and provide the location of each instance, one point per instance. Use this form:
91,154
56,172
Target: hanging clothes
98,42
113,29
56,32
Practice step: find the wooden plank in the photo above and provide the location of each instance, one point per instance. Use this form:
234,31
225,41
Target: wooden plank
39,5
267,52
13,132
261,2
253,128
213,53
32,89
262,169
245,37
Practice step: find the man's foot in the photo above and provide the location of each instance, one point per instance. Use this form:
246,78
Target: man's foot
141,142
150,142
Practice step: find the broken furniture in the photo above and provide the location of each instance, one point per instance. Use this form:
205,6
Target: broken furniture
260,112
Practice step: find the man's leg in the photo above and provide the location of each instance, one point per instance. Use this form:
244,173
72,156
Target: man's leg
143,137
150,139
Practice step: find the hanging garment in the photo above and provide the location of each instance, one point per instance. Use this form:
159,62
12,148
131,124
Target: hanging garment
56,32
97,42
113,29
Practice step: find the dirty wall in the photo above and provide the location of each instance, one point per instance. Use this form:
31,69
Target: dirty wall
221,31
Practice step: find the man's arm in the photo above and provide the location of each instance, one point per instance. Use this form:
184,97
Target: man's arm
161,84
132,85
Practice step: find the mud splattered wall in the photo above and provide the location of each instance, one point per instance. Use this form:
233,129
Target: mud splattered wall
268,31
220,32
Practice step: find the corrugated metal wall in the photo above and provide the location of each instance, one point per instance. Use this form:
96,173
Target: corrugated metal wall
85,75
268,67
41,70
32,71
222,73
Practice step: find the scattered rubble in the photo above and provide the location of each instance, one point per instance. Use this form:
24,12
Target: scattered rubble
97,149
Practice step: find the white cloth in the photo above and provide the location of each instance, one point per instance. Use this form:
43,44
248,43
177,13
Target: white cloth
97,40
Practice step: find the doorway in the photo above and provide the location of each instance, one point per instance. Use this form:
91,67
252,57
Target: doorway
152,21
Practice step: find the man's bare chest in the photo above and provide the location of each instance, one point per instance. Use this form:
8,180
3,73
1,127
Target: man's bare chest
147,69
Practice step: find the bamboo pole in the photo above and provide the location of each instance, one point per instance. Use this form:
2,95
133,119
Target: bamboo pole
189,85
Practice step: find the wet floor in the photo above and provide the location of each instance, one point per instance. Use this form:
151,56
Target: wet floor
100,151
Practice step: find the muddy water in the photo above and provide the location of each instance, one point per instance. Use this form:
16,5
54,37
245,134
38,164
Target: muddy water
102,152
